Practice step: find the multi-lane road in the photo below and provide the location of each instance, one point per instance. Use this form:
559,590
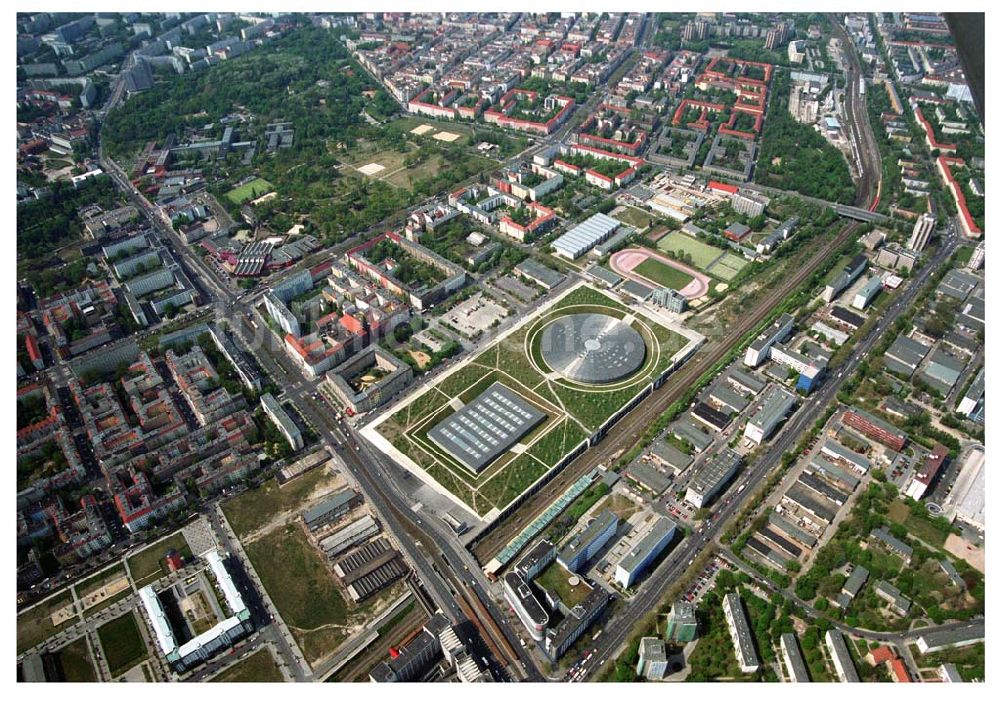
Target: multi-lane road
673,567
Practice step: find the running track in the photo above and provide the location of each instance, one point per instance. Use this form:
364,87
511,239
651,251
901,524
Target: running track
625,261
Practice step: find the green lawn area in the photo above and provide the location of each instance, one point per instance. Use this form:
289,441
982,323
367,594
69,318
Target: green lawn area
248,191
297,579
917,525
148,565
701,253
122,643
662,274
75,662
572,410
35,625
255,508
555,579
260,667
634,217
970,660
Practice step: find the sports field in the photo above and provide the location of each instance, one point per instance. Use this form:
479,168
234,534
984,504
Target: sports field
663,274
702,254
248,191
656,270
728,266
573,411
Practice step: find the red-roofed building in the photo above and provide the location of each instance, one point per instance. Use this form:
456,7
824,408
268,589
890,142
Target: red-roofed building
969,226
34,353
926,474
722,187
878,656
898,671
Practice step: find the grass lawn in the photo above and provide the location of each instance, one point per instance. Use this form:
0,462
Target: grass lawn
260,667
634,217
35,625
122,643
701,253
917,525
662,274
254,508
970,660
555,579
406,177
572,410
296,577
248,191
74,660
148,565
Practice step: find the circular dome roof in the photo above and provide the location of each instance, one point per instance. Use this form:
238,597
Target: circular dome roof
592,348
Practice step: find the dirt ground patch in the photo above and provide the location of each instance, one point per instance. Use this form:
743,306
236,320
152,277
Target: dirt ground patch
420,357
975,556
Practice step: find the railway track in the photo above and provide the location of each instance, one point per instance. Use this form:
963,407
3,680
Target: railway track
630,429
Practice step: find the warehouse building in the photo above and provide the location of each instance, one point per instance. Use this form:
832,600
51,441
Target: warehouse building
631,567
867,293
806,499
486,427
727,398
838,452
712,476
668,456
833,472
585,236
745,382
710,417
539,274
331,509
649,477
905,355
875,428
942,370
349,536
585,545
739,632
846,317
850,273
774,407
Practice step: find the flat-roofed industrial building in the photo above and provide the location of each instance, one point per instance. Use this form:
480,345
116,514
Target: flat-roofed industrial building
486,427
